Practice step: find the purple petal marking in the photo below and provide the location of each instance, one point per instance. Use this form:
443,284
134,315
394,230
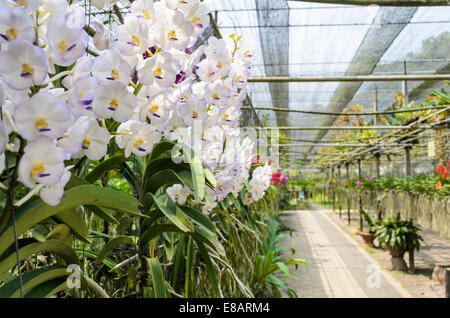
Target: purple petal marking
86,102
110,78
44,129
173,39
84,147
158,77
26,75
5,37
216,98
199,25
140,16
43,175
89,108
112,108
196,67
141,149
194,116
71,47
131,43
156,115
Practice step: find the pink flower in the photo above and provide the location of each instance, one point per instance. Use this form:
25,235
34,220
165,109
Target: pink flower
343,181
358,183
368,178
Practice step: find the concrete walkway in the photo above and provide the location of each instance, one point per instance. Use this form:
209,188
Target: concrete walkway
337,266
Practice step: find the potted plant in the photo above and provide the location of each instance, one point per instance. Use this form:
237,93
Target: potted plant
369,236
398,236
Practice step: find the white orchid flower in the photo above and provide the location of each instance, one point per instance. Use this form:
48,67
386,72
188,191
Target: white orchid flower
42,162
143,138
217,93
52,194
178,193
172,30
23,65
114,101
3,137
42,115
95,142
83,92
101,40
193,109
16,23
133,36
112,67
144,9
161,69
67,43
72,140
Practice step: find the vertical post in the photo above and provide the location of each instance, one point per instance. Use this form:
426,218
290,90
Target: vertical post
333,189
361,225
377,164
375,108
447,283
408,160
339,193
405,85
348,199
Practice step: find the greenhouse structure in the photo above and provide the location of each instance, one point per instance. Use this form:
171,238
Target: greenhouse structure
233,149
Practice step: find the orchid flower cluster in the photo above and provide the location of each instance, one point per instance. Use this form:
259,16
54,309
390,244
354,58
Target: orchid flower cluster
260,182
149,79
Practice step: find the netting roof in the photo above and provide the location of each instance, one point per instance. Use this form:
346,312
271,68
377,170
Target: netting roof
295,38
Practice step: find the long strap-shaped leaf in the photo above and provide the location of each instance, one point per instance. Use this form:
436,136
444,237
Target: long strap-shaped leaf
106,165
198,174
60,248
173,213
32,279
159,286
209,268
84,194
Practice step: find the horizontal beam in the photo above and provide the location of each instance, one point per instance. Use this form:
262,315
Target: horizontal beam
385,3
348,127
342,145
368,113
355,78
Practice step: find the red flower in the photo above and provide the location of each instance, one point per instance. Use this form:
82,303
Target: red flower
276,178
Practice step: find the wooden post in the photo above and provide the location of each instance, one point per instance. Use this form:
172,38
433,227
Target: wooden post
333,190
412,267
377,164
348,199
408,160
339,193
447,283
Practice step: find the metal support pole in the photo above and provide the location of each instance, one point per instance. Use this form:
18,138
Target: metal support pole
447,283
375,108
348,199
333,189
408,161
361,225
339,193
405,85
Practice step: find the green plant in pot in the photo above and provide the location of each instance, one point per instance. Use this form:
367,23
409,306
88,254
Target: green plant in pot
398,236
369,236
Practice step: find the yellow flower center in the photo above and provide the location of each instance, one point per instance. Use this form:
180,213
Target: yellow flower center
11,34
215,96
238,78
194,114
172,35
225,117
138,142
195,20
37,168
115,73
114,103
27,69
135,39
62,46
41,123
153,108
146,14
175,127
219,65
157,71
86,142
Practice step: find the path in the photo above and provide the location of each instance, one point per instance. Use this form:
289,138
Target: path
337,266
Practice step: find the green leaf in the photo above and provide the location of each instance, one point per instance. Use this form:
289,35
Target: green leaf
84,194
166,177
56,247
32,279
112,244
159,286
173,213
210,178
199,218
198,174
104,166
75,221
161,148
48,288
209,268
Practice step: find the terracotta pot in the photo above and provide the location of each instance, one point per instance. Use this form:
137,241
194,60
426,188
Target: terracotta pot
439,273
368,239
397,261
